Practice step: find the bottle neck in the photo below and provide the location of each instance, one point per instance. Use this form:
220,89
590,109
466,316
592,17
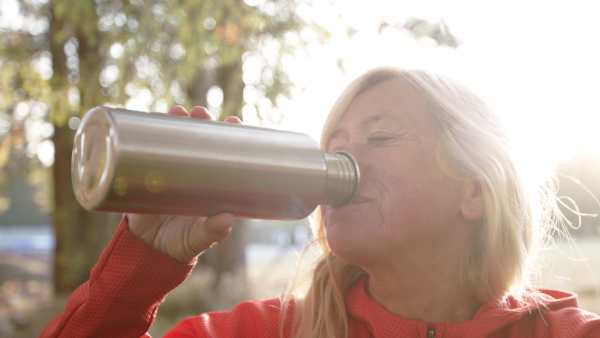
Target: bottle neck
343,178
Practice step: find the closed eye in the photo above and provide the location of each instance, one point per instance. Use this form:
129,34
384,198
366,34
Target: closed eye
381,136
379,139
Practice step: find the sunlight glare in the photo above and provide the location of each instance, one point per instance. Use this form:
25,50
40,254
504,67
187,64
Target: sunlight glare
539,71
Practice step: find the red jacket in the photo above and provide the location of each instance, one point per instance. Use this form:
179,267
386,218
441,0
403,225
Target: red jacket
132,279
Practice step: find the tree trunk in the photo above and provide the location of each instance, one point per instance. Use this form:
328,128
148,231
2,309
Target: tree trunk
69,259
80,235
229,78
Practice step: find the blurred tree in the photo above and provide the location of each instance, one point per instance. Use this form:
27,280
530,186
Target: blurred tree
64,57
438,31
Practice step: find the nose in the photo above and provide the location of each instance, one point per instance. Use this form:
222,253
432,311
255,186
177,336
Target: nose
359,154
350,143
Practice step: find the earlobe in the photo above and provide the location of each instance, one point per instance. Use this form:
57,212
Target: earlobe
473,206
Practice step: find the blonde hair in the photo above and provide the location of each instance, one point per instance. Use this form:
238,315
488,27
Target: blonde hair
474,144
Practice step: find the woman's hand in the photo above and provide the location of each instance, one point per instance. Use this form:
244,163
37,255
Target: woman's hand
183,237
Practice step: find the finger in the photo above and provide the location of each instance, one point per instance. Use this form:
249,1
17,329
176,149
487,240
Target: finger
201,113
219,226
178,110
233,119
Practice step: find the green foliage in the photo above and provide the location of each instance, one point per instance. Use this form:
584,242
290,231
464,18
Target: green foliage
419,28
71,55
68,56
86,53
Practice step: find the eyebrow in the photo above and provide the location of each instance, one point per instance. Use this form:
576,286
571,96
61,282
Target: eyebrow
375,118
366,122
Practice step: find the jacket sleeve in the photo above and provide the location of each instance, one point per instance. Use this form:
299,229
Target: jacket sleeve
126,286
249,319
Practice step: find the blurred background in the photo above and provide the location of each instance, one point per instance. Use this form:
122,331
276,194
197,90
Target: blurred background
277,64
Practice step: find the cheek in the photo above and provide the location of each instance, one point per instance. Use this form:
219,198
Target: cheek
397,200
409,189
397,180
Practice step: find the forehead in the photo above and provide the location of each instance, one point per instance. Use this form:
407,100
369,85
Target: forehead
387,102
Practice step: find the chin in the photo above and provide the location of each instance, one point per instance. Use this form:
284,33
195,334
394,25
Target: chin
348,245
351,254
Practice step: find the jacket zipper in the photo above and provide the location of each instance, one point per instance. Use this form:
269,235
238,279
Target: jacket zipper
431,332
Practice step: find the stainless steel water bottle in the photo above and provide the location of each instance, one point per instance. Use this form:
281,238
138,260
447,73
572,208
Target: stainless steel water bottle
128,161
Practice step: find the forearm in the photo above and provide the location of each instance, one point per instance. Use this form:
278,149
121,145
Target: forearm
123,294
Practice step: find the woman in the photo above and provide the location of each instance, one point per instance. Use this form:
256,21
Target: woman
440,240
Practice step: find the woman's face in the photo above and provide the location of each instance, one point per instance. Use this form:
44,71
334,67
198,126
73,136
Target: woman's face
406,201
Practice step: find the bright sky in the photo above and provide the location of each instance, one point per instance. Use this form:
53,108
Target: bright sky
536,61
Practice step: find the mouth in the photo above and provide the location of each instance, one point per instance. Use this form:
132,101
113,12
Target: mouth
360,199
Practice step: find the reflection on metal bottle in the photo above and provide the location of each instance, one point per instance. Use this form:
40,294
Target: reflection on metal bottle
127,161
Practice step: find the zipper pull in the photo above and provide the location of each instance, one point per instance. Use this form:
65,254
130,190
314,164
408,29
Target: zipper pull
431,332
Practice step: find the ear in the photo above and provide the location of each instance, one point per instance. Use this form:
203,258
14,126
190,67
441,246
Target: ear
472,207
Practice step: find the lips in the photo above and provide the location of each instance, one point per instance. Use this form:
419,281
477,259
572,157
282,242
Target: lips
357,200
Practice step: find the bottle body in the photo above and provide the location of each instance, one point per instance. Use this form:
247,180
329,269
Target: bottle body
126,161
